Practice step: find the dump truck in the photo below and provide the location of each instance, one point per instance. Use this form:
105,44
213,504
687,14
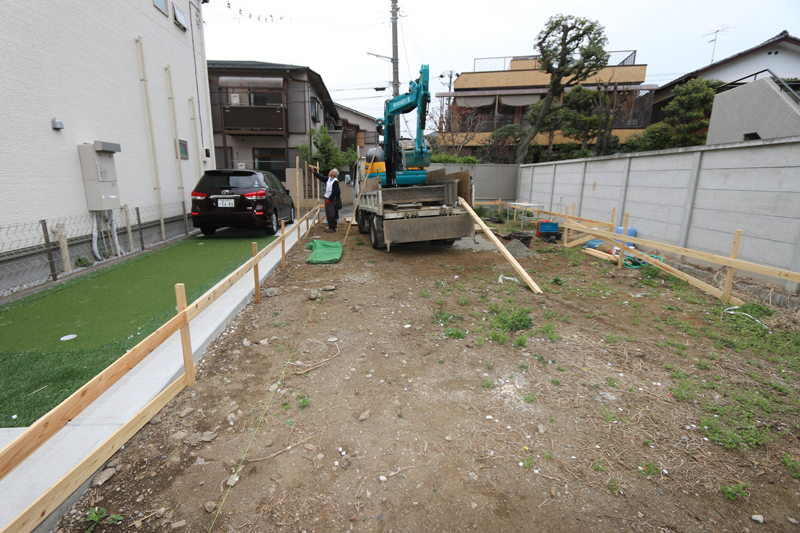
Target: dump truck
399,199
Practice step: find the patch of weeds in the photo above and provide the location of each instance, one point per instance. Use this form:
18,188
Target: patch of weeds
489,364
574,255
510,318
648,442
735,491
523,365
520,341
441,360
528,462
444,318
792,465
463,301
609,417
555,381
285,406
684,388
612,339
650,272
541,359
597,466
549,455
99,515
455,333
611,382
703,365
359,241
290,422
560,368
487,384
549,315
613,486
549,331
280,348
558,281
304,401
425,293
529,397
650,469
499,337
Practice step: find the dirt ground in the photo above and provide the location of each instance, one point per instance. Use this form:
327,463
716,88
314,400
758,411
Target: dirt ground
357,412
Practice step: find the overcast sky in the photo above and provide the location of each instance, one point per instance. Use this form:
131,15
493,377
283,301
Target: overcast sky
333,37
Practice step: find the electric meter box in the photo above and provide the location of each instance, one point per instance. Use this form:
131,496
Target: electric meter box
100,175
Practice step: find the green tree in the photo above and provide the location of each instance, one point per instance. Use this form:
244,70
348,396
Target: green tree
571,50
326,151
550,125
581,122
658,136
501,147
689,112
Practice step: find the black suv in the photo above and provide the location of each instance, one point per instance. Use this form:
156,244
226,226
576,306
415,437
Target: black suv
240,199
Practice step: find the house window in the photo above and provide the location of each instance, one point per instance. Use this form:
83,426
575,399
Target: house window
272,160
180,18
162,6
315,110
184,148
266,99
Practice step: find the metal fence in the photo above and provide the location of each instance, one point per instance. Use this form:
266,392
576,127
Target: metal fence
35,252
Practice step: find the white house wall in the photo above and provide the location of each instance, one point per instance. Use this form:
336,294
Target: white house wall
786,64
79,61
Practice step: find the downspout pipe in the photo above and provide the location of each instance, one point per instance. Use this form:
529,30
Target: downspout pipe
152,139
177,149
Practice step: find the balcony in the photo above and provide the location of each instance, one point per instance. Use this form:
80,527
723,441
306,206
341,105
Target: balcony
253,120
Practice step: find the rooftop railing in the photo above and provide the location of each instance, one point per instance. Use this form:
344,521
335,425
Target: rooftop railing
532,62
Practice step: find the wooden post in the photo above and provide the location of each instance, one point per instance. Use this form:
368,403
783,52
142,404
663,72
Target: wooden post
283,245
305,191
255,272
613,214
515,213
139,221
726,293
319,185
565,236
622,246
297,189
48,248
186,341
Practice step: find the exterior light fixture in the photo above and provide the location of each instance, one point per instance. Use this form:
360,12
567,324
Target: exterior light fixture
57,124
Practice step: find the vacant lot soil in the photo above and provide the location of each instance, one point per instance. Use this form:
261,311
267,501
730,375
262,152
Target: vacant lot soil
415,396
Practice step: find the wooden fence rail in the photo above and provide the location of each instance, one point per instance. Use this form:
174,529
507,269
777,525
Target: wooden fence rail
15,452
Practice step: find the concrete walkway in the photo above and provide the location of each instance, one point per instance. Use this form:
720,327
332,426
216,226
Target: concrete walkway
122,401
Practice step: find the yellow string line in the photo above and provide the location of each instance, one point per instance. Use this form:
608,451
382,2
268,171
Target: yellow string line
263,414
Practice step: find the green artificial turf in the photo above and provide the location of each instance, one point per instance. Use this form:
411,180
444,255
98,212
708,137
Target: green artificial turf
110,311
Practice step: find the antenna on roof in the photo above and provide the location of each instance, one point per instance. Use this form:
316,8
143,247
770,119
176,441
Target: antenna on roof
723,29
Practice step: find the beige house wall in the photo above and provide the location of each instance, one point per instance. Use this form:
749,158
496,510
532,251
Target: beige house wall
536,78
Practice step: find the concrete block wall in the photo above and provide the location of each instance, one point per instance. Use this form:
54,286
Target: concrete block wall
693,197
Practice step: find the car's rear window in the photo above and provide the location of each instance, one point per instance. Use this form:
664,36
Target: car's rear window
228,181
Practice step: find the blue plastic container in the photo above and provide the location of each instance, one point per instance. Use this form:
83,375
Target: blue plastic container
594,243
631,233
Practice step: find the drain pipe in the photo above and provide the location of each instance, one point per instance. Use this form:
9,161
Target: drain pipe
177,149
196,140
152,139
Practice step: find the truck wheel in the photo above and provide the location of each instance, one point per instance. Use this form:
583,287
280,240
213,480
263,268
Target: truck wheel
363,222
376,235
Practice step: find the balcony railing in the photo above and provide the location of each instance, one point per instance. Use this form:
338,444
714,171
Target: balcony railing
531,62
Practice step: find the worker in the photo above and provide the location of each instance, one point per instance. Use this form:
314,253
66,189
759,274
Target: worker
333,198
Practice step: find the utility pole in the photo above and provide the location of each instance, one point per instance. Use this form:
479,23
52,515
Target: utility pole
395,59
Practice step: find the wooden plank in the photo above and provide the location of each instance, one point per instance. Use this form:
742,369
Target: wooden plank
705,256
682,275
726,292
599,255
49,424
622,245
582,240
510,258
36,512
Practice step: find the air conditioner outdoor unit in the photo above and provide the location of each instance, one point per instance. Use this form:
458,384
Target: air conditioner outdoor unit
235,99
240,166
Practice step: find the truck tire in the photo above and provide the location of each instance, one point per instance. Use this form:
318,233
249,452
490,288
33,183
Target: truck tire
376,233
362,219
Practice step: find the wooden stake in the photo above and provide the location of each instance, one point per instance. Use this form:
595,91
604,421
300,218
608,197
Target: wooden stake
622,246
305,192
186,340
283,245
565,236
510,258
726,293
613,213
360,192
297,189
255,274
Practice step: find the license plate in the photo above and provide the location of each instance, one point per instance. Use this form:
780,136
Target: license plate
225,202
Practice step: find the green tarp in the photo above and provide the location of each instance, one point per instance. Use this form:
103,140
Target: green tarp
324,252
